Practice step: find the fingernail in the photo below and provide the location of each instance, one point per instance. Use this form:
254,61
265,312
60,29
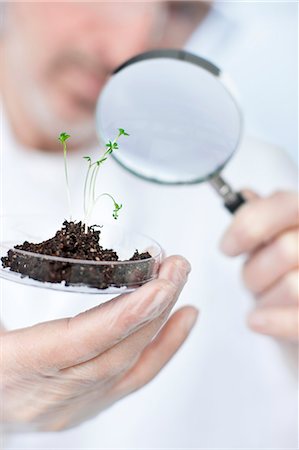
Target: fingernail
228,245
180,273
257,320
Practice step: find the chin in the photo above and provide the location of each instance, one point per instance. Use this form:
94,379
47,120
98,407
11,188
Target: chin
78,124
66,115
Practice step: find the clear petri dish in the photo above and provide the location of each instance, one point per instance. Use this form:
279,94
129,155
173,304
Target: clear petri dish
76,275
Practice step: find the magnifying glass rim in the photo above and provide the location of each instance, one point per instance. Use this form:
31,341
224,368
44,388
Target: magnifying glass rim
183,55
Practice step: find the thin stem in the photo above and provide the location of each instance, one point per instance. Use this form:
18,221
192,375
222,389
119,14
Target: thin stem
99,162
94,184
89,205
116,206
90,190
67,180
108,195
92,200
85,188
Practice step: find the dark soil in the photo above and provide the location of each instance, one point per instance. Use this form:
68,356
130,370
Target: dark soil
71,241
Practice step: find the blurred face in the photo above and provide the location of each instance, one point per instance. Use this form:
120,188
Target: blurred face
59,55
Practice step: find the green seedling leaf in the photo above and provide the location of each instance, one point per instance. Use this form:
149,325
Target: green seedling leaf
116,210
100,161
63,137
122,132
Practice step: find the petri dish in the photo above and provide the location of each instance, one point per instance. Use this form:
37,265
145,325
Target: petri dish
76,275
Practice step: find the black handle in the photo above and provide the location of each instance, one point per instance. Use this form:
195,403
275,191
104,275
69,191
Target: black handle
234,203
232,200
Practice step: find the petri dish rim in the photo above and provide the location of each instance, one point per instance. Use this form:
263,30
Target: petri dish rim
155,256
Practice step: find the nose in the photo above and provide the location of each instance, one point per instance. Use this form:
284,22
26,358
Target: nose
113,40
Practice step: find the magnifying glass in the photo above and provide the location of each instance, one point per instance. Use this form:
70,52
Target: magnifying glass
183,122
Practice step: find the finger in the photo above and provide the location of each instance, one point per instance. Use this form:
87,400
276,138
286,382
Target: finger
120,358
63,343
281,322
284,292
259,221
271,262
159,352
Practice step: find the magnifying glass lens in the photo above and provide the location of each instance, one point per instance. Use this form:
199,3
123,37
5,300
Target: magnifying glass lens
183,123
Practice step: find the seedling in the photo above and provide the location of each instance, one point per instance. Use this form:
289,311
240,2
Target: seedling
74,257
89,195
63,138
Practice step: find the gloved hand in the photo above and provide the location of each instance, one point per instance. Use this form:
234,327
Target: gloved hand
58,374
267,229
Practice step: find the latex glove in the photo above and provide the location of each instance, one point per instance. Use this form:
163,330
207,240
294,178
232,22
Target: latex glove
58,374
268,230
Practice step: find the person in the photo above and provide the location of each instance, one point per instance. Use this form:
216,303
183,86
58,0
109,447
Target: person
61,367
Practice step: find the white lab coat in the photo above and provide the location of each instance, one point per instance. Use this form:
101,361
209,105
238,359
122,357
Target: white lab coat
227,387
